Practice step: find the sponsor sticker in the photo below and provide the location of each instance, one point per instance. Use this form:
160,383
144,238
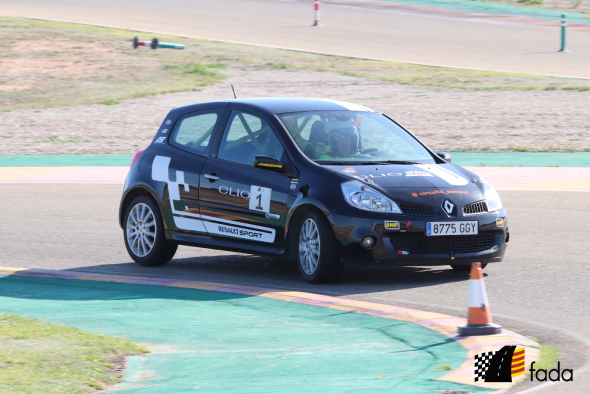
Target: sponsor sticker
168,121
164,131
237,231
391,225
434,192
495,247
260,198
160,140
270,165
418,173
403,252
349,170
500,222
366,177
294,183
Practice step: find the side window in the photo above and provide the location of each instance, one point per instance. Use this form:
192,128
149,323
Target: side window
194,132
247,136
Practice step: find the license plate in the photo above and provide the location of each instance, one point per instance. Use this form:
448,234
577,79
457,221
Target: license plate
451,228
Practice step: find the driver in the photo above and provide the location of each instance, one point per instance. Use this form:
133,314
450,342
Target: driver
343,143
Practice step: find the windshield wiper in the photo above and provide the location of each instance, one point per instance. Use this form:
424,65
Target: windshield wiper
350,163
402,162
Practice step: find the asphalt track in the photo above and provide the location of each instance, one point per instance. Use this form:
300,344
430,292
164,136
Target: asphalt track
350,31
540,289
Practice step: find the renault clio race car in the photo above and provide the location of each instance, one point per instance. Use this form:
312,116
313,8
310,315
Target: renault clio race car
318,181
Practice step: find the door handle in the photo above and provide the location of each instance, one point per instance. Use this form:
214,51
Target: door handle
272,216
211,177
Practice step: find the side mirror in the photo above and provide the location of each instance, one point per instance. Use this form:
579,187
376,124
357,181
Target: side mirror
445,156
270,163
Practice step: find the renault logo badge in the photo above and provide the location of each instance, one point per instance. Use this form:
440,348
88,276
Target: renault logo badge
448,206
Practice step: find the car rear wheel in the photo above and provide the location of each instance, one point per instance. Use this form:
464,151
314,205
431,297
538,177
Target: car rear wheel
466,267
318,256
145,239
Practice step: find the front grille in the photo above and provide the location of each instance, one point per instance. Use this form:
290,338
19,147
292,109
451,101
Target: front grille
475,208
420,243
417,210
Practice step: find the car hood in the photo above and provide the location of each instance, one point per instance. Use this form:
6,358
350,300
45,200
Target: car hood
429,181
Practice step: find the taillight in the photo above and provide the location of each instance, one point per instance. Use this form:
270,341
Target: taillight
136,157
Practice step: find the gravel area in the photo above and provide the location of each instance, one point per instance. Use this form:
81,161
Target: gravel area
444,119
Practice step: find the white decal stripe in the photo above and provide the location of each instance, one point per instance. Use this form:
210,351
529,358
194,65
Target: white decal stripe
202,223
449,176
189,224
160,168
236,223
349,106
238,232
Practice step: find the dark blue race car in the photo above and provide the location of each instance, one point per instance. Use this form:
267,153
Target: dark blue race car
318,181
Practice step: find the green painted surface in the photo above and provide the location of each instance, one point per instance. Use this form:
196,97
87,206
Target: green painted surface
206,341
521,159
66,160
467,159
500,9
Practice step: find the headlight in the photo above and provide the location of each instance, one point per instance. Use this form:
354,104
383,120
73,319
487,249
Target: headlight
492,197
363,197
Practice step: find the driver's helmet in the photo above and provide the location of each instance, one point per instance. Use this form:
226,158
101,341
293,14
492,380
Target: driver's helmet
341,134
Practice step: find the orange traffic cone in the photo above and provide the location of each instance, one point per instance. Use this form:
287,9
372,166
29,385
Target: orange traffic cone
479,317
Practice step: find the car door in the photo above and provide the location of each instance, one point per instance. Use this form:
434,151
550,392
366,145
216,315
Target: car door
238,202
179,164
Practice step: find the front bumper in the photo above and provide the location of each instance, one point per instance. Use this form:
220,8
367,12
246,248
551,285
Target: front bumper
409,245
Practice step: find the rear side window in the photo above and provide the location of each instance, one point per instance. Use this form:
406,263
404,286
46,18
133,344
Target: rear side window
193,131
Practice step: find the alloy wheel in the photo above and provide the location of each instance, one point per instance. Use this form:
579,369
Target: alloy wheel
309,246
141,230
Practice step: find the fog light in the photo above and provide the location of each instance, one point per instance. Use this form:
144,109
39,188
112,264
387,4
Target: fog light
368,242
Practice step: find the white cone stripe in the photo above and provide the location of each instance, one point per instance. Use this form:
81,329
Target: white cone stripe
477,293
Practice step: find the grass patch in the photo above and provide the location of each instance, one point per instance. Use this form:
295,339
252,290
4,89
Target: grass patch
39,357
548,357
87,63
193,68
531,2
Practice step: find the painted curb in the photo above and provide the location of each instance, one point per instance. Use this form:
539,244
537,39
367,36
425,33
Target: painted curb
443,324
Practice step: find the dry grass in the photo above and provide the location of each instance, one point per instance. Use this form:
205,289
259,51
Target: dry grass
39,357
52,64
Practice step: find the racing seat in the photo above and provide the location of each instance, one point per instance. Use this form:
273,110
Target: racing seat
318,139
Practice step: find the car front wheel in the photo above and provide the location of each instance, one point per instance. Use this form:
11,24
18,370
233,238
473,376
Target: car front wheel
145,239
318,256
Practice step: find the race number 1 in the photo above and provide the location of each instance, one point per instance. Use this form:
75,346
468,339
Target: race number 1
260,198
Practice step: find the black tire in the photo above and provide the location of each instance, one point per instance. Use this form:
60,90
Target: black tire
465,267
161,251
328,267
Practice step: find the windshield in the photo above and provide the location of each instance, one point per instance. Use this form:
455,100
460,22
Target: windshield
342,137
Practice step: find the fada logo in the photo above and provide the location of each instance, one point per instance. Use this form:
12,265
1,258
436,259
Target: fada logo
499,366
508,362
349,170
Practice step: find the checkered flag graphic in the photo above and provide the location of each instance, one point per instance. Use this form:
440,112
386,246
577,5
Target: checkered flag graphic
482,363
